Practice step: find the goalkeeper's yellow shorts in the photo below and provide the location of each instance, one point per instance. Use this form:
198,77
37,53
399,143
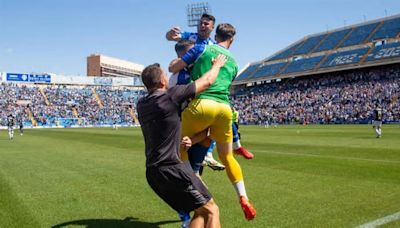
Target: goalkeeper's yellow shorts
202,114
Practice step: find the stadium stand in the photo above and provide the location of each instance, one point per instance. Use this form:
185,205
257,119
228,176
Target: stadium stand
248,72
352,46
61,105
287,52
338,76
16,100
359,34
337,98
303,64
268,70
389,29
309,44
332,40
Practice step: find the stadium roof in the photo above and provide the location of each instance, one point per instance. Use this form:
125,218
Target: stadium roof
371,43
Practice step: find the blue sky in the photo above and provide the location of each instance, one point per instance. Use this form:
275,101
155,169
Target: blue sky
56,36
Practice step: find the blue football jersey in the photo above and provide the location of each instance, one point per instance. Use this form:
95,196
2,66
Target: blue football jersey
193,36
180,78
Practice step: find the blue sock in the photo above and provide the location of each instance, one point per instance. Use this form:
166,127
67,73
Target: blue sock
211,148
235,133
196,156
184,216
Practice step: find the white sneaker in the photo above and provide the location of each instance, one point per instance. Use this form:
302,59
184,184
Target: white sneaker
213,164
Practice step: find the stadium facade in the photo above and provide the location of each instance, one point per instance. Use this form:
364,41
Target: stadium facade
105,66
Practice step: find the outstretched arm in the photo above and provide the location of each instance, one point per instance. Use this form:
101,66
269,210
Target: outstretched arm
189,58
176,65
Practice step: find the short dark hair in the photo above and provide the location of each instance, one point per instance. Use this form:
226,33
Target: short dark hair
151,76
225,31
183,45
208,17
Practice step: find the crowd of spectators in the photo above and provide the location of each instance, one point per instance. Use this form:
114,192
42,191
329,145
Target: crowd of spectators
59,105
15,100
339,97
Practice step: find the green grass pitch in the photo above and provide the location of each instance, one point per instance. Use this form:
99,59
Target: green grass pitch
301,176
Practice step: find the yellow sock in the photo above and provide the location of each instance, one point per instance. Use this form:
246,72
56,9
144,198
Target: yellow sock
233,169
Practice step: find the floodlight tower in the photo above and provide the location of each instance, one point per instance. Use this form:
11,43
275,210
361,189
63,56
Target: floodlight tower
194,12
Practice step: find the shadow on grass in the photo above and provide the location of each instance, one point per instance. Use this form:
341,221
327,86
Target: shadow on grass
128,222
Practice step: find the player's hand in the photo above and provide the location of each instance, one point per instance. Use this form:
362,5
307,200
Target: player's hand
174,34
176,30
186,142
219,61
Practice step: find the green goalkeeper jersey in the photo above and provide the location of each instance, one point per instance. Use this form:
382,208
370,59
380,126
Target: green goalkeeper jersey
201,56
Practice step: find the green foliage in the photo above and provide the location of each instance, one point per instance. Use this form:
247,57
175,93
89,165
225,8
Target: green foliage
301,176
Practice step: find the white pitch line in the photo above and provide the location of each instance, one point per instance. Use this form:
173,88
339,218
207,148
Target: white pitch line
330,157
381,221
